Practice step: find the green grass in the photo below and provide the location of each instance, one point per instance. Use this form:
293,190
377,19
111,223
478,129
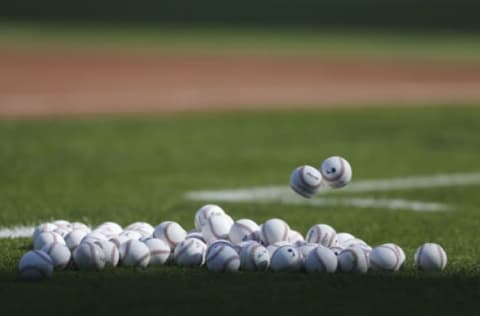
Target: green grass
441,46
129,169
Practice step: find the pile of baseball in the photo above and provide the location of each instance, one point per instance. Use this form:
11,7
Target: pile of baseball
218,242
222,244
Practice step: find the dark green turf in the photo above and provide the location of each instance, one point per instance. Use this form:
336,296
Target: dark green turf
139,168
303,42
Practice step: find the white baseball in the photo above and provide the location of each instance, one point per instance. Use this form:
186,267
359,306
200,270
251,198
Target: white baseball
35,265
134,253
81,226
306,181
336,171
217,227
254,257
118,240
190,253
110,251
196,235
353,242
131,234
322,234
286,258
74,238
274,230
385,258
109,229
170,232
62,223
59,253
337,249
430,257
159,251
243,230
272,247
400,253
344,238
44,227
46,238
89,256
305,249
145,229
223,259
94,236
321,259
203,213
353,259
295,237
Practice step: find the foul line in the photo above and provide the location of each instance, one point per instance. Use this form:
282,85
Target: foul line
17,231
284,195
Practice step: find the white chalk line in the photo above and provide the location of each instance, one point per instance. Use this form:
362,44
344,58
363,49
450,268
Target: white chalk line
17,231
284,195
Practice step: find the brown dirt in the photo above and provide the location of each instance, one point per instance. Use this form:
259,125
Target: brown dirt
58,83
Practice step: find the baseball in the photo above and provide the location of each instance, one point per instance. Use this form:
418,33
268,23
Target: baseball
35,265
94,236
336,249
306,181
223,258
131,234
89,256
305,249
118,240
400,253
63,231
74,238
295,237
430,257
322,234
190,253
46,238
321,259
170,232
203,213
217,227
196,235
385,258
81,226
286,258
110,252
274,230
159,251
344,238
336,172
59,253
271,248
44,227
109,229
254,257
353,259
145,229
243,230
134,253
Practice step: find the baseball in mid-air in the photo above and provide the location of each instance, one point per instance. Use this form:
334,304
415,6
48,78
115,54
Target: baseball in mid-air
336,172
306,181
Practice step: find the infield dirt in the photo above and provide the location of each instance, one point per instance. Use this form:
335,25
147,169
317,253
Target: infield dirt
45,84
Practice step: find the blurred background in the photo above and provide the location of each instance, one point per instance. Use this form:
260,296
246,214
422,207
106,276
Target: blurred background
107,56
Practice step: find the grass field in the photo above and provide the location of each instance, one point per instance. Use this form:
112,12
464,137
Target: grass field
337,43
132,169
